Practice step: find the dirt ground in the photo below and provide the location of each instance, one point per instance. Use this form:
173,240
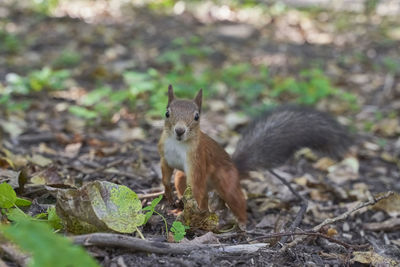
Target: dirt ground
359,52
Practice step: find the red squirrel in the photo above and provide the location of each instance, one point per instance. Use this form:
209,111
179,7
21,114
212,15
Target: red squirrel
266,143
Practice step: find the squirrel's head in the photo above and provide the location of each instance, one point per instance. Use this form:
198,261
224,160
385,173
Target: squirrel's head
182,118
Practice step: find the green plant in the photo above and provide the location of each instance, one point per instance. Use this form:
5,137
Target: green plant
311,87
46,247
391,65
9,199
10,203
102,102
151,210
45,79
44,7
67,59
179,230
9,43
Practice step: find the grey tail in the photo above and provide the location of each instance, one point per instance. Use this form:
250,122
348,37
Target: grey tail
272,139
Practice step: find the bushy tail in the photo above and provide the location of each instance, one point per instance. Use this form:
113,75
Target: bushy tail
273,138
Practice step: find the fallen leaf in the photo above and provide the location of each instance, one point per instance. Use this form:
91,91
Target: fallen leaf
72,150
11,177
268,221
372,258
360,191
100,206
208,238
324,163
318,195
391,224
233,120
47,177
40,160
344,171
14,127
390,205
387,127
331,232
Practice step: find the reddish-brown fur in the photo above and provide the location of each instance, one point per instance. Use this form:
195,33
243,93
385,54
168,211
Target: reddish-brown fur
210,167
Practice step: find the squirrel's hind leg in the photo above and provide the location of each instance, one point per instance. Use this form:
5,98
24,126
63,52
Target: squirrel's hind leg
229,189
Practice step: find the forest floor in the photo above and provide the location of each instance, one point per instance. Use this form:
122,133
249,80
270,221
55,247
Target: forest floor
55,132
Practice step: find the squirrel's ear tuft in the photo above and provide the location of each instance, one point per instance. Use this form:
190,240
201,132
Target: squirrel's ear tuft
170,94
198,99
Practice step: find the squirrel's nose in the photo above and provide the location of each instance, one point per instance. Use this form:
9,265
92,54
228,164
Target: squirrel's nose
179,131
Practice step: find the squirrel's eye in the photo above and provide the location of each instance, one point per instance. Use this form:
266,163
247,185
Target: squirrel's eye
167,114
196,117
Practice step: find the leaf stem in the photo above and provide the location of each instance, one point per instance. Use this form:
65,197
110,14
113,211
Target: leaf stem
140,233
165,221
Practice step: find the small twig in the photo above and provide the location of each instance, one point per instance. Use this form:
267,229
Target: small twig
300,213
343,216
338,218
150,195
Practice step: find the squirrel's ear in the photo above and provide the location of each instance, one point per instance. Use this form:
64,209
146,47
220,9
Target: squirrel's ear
170,94
198,98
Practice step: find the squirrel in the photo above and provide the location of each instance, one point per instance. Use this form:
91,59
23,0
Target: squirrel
266,143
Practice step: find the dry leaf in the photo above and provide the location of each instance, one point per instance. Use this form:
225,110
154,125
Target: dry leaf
11,177
344,171
268,221
324,163
72,150
40,160
391,224
390,205
387,127
208,238
331,232
372,258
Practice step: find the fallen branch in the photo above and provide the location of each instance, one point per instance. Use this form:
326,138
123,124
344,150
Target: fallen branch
2,263
316,234
300,213
136,244
341,217
14,253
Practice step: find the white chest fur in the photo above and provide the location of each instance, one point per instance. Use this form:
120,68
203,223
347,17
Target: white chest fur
175,153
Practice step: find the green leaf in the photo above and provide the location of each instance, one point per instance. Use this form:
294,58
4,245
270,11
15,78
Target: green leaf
16,215
151,208
96,96
42,215
21,202
179,230
53,219
83,112
46,247
7,196
100,206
